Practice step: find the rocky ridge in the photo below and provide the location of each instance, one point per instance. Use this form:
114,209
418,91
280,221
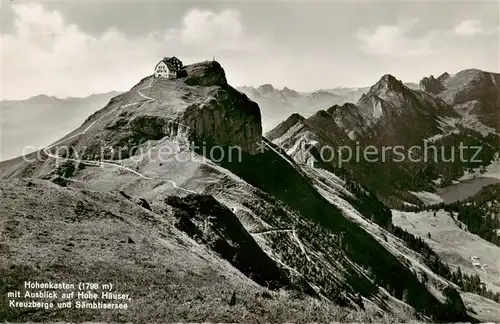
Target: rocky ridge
471,92
391,114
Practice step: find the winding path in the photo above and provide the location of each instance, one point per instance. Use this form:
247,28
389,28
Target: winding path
272,231
301,246
114,164
174,184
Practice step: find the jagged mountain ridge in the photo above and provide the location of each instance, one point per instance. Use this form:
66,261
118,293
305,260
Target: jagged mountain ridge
380,116
158,215
370,122
277,104
388,109
391,114
470,92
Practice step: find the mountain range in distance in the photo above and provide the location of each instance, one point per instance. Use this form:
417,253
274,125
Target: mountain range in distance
42,119
444,111
276,103
28,125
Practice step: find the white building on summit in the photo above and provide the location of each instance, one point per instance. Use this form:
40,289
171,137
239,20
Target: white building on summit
168,68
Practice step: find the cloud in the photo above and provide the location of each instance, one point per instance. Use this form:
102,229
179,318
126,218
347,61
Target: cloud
473,27
45,54
397,41
206,31
394,40
205,27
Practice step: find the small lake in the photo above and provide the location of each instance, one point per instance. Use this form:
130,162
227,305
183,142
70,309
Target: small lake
464,189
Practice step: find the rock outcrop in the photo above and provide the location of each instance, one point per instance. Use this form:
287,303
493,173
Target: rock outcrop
199,232
200,106
469,91
284,126
208,73
431,85
228,118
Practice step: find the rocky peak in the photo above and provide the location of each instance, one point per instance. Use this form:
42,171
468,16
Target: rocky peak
295,118
208,73
199,106
471,74
443,76
433,85
287,92
222,115
284,126
323,114
265,89
387,83
322,95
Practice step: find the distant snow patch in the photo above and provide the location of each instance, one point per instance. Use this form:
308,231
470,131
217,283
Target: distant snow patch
377,108
427,198
408,204
490,171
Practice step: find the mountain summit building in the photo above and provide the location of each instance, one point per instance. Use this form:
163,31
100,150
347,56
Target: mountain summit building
168,68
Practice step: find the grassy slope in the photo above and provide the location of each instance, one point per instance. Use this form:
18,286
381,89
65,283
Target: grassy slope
51,233
273,174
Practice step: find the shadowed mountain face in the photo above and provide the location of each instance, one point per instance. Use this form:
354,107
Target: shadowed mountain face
383,115
388,109
135,196
470,92
391,114
28,125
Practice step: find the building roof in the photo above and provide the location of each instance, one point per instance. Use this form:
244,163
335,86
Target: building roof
169,61
170,65
170,58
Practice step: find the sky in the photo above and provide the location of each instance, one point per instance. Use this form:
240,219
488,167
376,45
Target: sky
75,48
